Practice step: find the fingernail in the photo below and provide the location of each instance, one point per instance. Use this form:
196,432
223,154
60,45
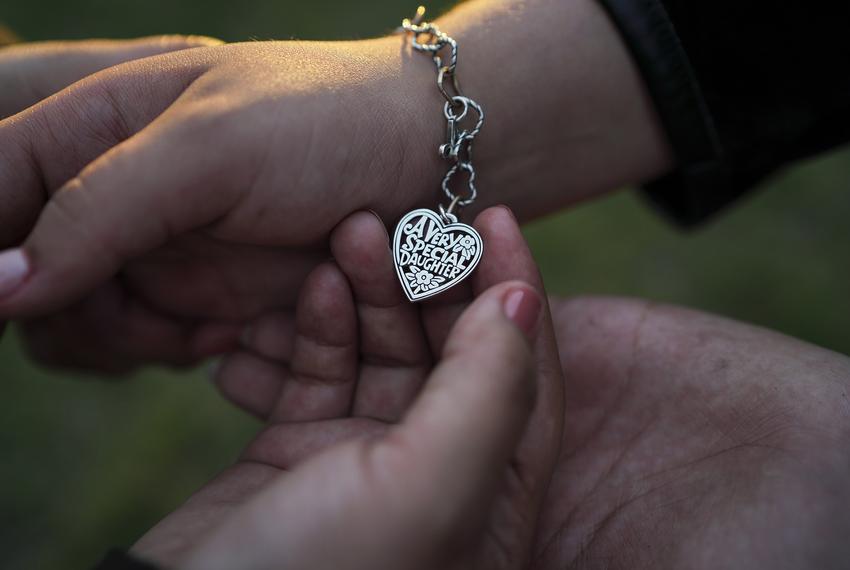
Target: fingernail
14,268
522,307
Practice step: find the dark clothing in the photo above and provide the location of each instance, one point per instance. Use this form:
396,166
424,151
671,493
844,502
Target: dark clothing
741,88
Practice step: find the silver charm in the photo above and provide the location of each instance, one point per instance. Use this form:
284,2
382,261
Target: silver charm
434,252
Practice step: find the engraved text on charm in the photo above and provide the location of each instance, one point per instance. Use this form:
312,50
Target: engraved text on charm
432,256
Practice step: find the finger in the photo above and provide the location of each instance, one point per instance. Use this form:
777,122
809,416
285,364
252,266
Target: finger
508,257
250,382
504,258
88,229
464,428
198,275
33,71
323,370
394,353
47,145
271,336
286,445
440,313
113,333
431,477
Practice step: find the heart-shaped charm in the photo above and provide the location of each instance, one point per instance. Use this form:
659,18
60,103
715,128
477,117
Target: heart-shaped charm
432,256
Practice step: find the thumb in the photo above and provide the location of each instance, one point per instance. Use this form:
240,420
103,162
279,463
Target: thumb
90,141
423,483
37,70
465,426
48,144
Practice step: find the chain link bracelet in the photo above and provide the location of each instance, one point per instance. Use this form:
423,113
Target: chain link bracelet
428,38
432,250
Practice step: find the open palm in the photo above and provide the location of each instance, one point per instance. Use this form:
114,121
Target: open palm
692,441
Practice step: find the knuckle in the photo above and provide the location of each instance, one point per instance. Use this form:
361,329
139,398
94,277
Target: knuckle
68,218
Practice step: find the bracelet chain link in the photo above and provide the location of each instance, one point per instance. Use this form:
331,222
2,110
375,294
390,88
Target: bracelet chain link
426,37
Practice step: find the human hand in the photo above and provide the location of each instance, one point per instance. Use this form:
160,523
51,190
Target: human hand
32,71
29,73
344,475
214,270
177,171
692,441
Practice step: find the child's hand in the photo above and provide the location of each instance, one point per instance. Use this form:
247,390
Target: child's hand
400,436
180,170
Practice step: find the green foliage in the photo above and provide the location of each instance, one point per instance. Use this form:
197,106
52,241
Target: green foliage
88,464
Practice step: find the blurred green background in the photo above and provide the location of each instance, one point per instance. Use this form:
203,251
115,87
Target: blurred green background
87,464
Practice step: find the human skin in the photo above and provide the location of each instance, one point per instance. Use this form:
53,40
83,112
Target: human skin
452,426
689,440
209,181
33,71
693,441
109,332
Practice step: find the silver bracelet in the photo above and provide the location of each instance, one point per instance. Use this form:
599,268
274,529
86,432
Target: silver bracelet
432,250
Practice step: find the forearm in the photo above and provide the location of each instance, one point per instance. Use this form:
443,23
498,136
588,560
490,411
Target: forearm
568,117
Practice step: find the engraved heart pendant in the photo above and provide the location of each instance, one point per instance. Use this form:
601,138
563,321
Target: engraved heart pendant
432,256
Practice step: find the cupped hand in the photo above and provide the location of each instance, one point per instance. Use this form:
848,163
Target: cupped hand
399,436
692,441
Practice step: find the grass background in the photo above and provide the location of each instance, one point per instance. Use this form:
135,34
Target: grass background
87,464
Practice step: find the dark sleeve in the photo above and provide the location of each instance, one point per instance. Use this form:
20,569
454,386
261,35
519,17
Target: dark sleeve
120,560
741,88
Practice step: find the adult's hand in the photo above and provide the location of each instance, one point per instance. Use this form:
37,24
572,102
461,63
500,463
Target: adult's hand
692,441
170,168
32,71
348,474
29,73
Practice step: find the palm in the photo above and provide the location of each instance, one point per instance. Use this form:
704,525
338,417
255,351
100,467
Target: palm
694,442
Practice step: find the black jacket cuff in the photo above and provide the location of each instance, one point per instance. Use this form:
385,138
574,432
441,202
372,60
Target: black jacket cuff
701,183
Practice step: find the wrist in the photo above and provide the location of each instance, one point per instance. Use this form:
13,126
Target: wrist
567,114
404,86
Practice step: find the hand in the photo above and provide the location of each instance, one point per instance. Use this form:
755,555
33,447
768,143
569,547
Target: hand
34,71
176,171
692,441
345,476
86,336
